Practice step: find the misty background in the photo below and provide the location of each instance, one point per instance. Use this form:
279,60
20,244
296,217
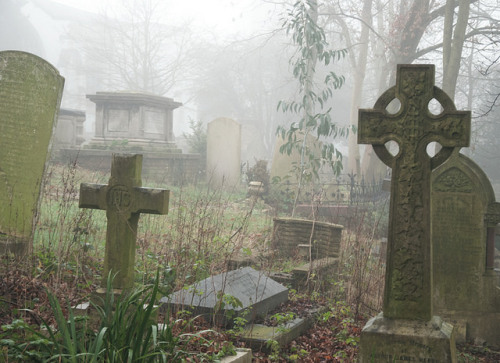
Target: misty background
231,58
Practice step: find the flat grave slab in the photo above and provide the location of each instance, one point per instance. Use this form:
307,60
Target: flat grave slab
257,293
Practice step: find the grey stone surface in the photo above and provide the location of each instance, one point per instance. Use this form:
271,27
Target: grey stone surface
124,200
30,95
69,130
399,340
461,195
407,330
133,121
224,152
408,273
257,293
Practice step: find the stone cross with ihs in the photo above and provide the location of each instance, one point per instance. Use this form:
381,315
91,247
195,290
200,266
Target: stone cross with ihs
408,284
124,200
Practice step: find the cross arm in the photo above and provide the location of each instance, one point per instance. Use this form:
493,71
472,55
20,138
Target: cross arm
152,201
92,196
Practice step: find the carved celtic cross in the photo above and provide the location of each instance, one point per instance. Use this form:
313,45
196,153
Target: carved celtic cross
408,284
124,200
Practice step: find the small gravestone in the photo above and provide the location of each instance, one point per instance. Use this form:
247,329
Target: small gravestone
461,196
224,152
69,130
407,330
30,95
257,293
124,200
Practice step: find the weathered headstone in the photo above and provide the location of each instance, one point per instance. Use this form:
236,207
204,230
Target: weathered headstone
465,288
224,152
30,95
124,200
257,293
407,329
69,130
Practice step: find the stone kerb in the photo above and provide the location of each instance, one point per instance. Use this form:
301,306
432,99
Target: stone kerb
289,233
30,95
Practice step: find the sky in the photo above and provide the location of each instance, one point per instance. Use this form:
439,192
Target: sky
223,17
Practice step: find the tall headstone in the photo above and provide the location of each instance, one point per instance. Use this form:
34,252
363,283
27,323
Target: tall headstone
407,328
465,286
124,200
30,95
224,152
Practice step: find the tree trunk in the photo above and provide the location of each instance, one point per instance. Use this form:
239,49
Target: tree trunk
354,162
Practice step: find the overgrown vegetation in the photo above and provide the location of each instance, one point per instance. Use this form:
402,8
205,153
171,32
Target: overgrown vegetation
204,230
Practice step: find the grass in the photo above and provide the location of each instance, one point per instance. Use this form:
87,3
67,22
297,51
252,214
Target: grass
203,230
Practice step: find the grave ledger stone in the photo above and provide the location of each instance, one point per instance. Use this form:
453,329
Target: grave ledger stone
30,95
124,200
407,329
257,293
463,220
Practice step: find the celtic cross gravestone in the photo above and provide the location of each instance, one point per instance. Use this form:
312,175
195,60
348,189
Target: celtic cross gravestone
30,95
407,329
124,200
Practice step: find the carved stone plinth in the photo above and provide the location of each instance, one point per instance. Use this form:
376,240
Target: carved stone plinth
398,340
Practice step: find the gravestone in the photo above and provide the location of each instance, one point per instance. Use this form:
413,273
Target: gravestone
69,130
124,200
257,293
407,328
30,95
224,152
461,197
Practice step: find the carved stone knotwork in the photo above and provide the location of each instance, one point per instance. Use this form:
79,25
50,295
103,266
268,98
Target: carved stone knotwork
413,127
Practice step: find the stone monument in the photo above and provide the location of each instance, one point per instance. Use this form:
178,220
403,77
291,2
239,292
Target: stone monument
124,200
464,218
407,328
256,293
139,121
30,95
69,130
224,152
142,123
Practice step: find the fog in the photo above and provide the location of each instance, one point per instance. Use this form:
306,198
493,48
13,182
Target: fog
232,59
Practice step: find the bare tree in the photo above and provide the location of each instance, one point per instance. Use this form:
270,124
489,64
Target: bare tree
130,48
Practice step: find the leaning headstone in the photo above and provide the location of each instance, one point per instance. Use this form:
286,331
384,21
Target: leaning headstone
257,293
407,330
224,152
124,200
30,95
461,196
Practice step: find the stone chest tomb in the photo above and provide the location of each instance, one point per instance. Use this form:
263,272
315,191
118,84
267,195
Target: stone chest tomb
128,122
142,121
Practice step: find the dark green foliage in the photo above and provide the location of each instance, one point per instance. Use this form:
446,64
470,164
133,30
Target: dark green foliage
126,331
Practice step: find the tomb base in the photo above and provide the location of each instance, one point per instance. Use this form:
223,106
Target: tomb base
391,340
